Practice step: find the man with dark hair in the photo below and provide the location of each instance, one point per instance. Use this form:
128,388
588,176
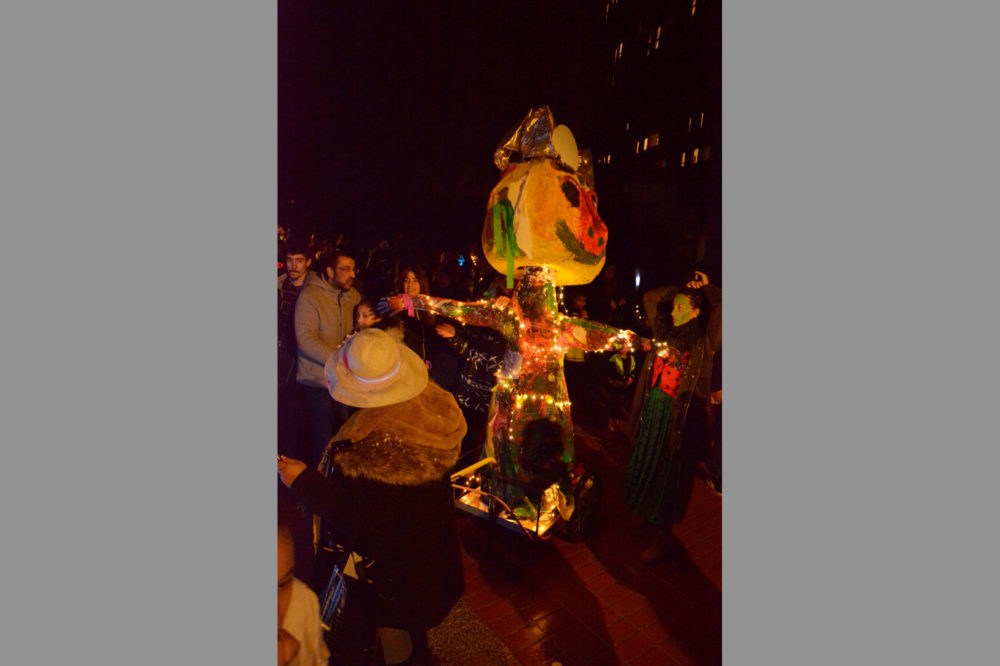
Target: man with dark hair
297,259
324,316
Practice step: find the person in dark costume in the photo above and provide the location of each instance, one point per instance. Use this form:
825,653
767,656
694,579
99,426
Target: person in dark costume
670,414
482,352
618,382
389,491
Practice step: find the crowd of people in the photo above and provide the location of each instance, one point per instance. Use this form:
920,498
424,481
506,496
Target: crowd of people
377,408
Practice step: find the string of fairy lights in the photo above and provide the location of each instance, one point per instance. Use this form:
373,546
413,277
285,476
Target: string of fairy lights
542,345
535,355
546,352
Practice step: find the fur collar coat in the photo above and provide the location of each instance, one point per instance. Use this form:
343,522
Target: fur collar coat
389,498
409,443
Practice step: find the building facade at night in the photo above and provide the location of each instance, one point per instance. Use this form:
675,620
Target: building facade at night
657,141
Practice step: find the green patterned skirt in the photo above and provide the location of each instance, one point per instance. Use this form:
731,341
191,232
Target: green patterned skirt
657,483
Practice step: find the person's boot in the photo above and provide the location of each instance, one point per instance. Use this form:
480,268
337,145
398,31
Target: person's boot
658,547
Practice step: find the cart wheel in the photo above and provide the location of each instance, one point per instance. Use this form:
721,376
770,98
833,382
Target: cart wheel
587,494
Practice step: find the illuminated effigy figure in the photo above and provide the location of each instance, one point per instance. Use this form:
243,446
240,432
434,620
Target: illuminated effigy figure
541,228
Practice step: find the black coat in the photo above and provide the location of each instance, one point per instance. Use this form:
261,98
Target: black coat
391,497
410,533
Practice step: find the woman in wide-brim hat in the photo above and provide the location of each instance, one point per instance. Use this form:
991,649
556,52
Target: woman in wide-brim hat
390,483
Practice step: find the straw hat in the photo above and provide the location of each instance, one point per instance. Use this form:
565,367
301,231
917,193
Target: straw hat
371,369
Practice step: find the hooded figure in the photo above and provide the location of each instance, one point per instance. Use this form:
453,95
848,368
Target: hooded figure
390,486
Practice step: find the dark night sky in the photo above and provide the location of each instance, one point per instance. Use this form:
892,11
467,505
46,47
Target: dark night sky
405,102
442,79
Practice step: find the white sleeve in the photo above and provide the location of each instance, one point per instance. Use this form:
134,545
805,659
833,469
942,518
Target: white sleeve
302,622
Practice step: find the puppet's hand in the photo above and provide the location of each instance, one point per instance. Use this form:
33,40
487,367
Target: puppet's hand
390,305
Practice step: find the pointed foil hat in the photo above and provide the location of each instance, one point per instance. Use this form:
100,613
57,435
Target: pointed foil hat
532,137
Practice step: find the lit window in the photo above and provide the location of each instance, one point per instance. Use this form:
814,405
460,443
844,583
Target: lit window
653,139
689,124
626,126
645,143
701,121
657,44
637,145
683,155
694,156
694,5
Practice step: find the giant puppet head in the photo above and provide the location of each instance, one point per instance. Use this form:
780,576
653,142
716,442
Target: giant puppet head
543,212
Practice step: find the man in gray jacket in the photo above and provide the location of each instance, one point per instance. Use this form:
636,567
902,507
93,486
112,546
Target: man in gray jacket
323,318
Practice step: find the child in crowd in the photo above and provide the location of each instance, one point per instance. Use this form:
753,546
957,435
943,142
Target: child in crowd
365,315
300,633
